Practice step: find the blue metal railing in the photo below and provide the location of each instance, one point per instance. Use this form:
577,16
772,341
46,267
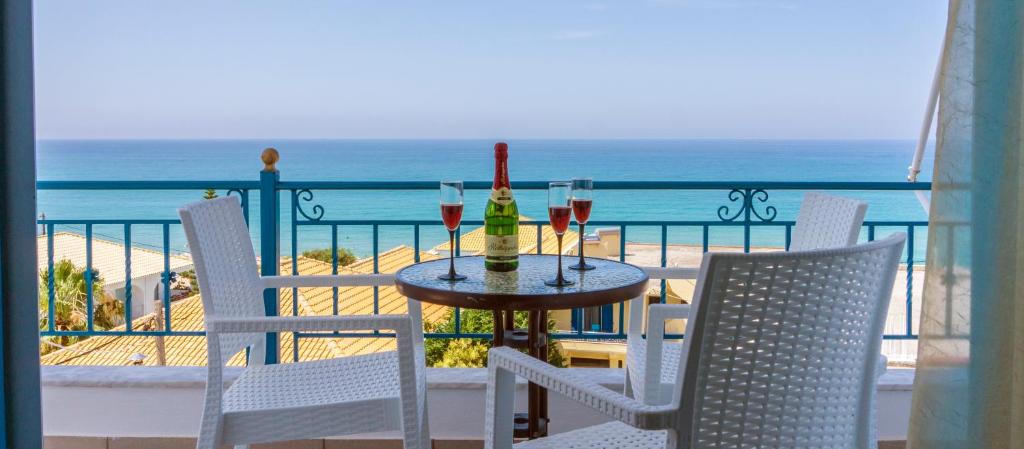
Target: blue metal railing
747,209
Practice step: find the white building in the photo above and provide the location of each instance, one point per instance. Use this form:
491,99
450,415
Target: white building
108,258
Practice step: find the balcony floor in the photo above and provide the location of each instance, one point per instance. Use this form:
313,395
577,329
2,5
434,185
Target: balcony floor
189,443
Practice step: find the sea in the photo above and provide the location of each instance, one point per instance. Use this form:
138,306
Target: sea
470,160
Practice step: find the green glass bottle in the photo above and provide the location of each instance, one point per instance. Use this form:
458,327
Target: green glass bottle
501,218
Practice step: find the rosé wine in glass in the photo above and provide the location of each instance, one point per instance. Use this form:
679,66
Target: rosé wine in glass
559,216
451,215
581,209
582,201
559,212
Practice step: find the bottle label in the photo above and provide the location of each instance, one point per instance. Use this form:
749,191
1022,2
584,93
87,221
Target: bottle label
500,248
502,196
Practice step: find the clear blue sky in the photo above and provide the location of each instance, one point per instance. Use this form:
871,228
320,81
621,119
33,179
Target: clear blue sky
452,69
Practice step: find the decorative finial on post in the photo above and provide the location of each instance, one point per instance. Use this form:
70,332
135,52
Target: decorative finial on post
270,158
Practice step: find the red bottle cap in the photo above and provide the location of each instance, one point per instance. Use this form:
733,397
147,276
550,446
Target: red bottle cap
501,149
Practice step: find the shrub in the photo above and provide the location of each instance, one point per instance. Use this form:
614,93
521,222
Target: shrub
472,352
345,257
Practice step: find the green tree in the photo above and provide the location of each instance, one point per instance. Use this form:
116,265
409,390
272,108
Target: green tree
70,303
472,352
209,194
345,257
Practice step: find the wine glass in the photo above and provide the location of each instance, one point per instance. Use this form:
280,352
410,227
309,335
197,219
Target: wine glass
451,214
582,200
559,212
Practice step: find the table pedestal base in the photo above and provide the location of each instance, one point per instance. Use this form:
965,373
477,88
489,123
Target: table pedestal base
533,423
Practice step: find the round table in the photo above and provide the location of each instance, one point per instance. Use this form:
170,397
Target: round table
523,290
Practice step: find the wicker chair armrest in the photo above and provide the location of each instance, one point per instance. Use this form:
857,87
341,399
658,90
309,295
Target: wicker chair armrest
636,305
506,363
345,280
658,314
672,272
401,324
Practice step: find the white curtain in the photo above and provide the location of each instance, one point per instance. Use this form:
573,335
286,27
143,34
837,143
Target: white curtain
969,386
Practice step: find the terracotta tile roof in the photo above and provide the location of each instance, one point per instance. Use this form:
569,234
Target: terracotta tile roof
187,315
472,242
107,257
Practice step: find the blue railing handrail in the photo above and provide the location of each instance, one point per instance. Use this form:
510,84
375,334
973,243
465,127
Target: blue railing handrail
108,221
146,185
483,185
671,223
616,185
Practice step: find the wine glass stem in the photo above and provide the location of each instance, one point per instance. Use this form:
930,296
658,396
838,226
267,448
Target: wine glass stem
559,278
451,254
582,263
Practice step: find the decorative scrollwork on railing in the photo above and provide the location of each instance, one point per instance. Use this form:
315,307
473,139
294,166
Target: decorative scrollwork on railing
734,196
306,195
746,209
243,196
761,196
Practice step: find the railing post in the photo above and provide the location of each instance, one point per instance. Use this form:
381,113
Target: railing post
270,240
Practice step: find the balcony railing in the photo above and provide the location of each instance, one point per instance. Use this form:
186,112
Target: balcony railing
746,207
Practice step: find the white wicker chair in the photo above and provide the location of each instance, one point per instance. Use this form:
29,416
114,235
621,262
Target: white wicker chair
824,221
347,395
781,353
827,221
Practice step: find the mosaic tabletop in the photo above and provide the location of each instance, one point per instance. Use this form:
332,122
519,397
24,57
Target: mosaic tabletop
523,289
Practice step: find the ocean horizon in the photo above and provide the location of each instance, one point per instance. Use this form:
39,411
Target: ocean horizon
470,160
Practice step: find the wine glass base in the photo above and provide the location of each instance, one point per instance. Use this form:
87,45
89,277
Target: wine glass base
450,278
558,282
584,267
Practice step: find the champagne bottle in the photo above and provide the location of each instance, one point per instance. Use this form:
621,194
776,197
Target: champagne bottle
501,218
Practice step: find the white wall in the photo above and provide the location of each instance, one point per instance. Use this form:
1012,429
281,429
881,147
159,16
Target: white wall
145,293
167,401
